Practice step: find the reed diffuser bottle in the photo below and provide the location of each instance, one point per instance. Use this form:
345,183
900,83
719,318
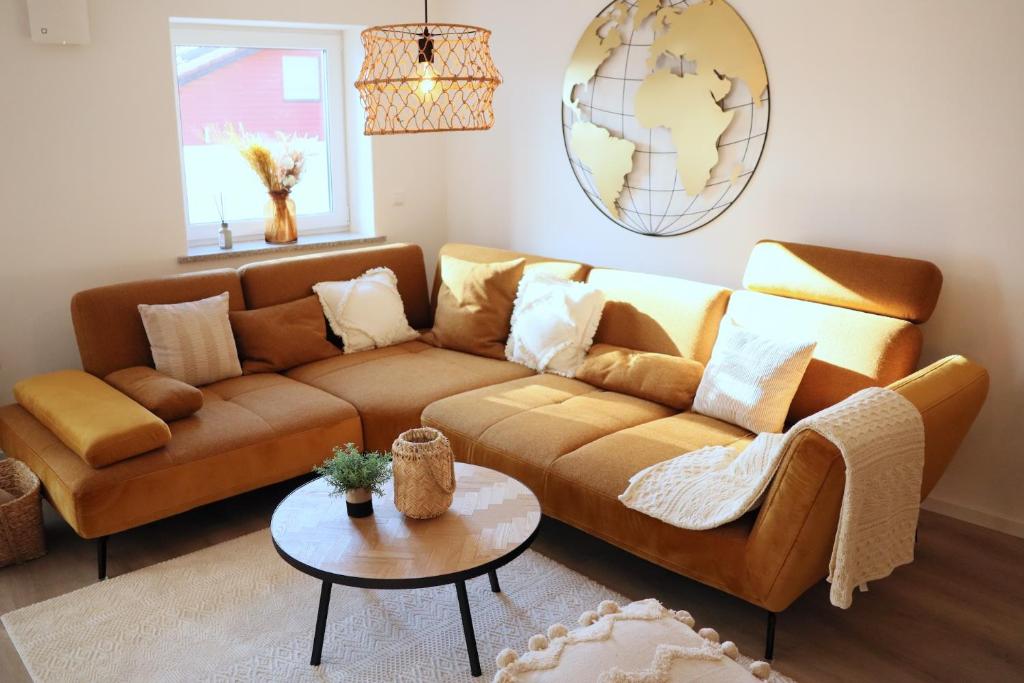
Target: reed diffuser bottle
224,240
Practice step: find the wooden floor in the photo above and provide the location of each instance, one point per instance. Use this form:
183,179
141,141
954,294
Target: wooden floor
956,614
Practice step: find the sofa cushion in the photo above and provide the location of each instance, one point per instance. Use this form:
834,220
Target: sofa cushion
365,312
165,397
521,427
90,417
855,350
108,326
268,283
642,446
669,380
582,489
660,314
252,431
887,285
567,270
474,305
253,408
390,387
752,377
553,323
280,337
192,341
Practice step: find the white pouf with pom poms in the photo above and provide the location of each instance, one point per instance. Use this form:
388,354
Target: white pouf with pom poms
639,642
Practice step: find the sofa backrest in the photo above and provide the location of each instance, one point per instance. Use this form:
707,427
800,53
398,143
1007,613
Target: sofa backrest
885,285
268,283
855,350
861,308
660,314
108,326
571,270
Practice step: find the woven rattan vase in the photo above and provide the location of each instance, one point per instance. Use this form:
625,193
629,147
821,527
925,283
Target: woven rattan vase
21,519
424,469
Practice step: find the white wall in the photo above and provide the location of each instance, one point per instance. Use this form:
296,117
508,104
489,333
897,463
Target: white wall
896,128
90,184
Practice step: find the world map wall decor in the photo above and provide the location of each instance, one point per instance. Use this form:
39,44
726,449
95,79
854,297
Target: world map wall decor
665,112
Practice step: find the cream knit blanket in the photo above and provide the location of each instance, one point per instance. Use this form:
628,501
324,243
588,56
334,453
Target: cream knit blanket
881,437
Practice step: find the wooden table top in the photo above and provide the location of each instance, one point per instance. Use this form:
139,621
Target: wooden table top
492,519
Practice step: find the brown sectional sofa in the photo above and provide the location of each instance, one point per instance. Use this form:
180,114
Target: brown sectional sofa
575,445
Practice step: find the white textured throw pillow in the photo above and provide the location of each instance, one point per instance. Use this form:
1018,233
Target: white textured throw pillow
751,379
367,312
192,341
553,323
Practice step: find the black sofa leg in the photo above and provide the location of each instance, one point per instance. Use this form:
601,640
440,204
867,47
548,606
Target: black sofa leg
101,557
769,642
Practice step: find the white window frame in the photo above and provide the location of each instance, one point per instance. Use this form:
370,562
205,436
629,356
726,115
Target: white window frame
332,96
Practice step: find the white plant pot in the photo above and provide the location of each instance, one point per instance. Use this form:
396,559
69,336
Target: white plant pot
358,495
359,502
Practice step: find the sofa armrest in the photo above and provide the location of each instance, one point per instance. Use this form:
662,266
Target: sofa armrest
949,394
791,543
92,418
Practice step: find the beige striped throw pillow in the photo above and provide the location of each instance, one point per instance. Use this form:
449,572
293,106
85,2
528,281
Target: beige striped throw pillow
192,341
751,378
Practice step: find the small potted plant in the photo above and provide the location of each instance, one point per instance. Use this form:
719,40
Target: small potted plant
358,476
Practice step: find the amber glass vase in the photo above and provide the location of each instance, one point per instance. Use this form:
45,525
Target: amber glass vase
280,226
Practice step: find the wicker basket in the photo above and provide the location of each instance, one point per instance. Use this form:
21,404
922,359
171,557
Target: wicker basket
424,470
21,519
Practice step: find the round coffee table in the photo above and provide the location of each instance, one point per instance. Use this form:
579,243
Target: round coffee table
492,520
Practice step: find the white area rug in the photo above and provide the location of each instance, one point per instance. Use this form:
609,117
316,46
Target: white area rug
237,612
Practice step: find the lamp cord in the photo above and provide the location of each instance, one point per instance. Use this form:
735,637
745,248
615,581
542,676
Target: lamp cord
426,13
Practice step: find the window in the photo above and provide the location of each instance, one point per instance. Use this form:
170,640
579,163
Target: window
301,79
279,87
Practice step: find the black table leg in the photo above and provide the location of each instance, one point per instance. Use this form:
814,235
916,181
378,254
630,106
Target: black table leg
467,628
495,586
321,623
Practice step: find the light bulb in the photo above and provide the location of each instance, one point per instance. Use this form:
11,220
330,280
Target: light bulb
427,86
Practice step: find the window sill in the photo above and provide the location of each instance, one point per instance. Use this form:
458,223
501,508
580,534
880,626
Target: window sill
323,241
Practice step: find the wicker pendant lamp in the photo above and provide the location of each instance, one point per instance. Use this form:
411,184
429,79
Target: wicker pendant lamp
427,78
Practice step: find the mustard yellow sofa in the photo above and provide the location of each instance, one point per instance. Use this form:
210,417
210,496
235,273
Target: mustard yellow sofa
575,445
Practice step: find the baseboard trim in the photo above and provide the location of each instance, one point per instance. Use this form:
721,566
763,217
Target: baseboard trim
988,520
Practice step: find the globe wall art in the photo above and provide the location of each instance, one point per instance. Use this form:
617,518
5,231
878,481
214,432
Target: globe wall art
665,112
